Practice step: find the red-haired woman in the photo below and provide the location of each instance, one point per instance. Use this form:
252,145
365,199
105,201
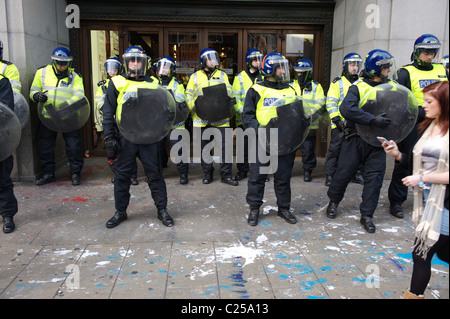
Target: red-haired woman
430,178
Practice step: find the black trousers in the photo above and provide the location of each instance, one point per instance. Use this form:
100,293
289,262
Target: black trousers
397,192
307,150
183,168
422,267
8,201
208,168
46,150
244,167
281,182
333,152
124,167
353,153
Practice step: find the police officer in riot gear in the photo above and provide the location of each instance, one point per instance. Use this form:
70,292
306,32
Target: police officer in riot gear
113,67
354,150
122,152
275,69
58,74
313,92
165,70
415,76
351,66
10,71
242,82
8,201
209,63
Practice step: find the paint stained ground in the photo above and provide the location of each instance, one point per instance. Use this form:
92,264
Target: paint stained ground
62,249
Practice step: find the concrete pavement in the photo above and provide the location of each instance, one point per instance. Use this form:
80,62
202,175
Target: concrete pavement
61,248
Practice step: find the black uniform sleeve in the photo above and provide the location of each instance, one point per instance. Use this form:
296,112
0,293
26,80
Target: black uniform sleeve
109,111
249,112
403,78
6,93
350,110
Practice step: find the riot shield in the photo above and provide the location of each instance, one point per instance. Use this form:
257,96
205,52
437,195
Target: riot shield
66,110
10,131
21,108
182,113
292,118
147,114
399,104
214,101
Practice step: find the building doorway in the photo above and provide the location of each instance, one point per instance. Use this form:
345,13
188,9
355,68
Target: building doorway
183,42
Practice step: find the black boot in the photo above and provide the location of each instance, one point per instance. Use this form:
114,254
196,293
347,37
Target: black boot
253,217
208,178
76,179
164,216
332,210
307,176
229,181
240,176
396,210
184,179
8,225
286,215
116,219
368,224
47,178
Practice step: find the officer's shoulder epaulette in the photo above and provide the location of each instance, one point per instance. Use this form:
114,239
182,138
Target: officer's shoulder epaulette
78,73
42,67
6,62
336,79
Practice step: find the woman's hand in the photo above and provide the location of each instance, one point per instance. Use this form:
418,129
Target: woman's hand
411,180
391,148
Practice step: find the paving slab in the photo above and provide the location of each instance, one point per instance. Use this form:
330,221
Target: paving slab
61,248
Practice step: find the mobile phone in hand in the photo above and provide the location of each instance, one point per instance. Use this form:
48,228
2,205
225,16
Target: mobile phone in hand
385,140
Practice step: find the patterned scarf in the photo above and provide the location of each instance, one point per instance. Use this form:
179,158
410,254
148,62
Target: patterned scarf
428,219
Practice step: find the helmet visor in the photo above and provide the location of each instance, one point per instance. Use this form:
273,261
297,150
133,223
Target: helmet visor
62,60
255,60
281,70
210,59
352,65
135,64
388,63
112,67
165,67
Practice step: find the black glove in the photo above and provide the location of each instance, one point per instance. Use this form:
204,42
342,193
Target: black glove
40,97
339,123
381,121
112,148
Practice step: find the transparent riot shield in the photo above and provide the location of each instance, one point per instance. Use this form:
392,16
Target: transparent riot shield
214,101
399,104
291,116
66,110
21,108
10,131
147,113
182,113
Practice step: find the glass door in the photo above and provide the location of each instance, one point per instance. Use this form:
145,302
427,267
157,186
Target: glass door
104,44
226,43
183,47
